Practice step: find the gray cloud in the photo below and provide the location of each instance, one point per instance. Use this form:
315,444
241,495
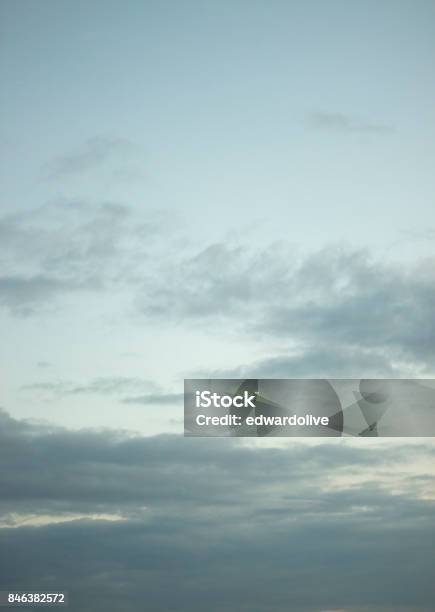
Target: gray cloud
128,390
22,295
343,299
155,399
108,385
93,154
226,526
219,280
340,122
314,362
69,247
43,364
352,301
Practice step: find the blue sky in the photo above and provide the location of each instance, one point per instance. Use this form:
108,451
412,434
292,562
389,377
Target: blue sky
313,121
263,137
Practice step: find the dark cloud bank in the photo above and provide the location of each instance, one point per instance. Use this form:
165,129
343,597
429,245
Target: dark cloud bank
213,525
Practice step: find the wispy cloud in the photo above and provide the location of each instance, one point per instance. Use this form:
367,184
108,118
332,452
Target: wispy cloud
314,362
22,294
69,247
93,154
128,390
157,399
109,385
340,122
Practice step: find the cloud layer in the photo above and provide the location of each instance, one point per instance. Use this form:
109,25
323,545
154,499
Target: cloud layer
192,524
344,300
340,301
68,248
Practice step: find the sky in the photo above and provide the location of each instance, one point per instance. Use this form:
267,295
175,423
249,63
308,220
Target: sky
207,189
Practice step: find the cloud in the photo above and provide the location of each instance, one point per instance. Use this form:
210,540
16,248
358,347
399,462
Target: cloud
23,294
108,385
155,399
219,280
93,154
314,362
67,248
15,520
343,300
338,300
227,526
129,390
340,122
43,364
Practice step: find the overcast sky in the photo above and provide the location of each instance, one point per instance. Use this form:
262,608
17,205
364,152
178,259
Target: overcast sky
197,188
